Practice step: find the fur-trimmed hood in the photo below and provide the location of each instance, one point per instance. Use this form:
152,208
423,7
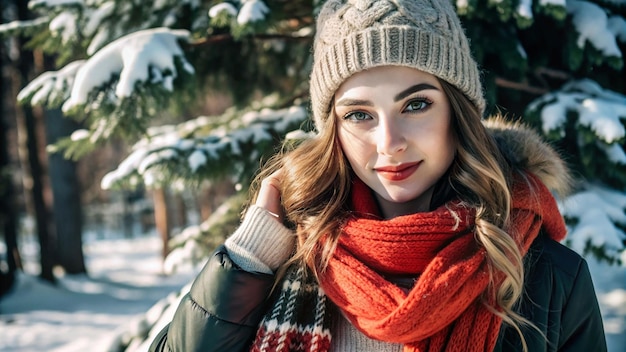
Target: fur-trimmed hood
526,150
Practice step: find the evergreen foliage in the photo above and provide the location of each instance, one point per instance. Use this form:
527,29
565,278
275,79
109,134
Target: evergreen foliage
230,145
193,245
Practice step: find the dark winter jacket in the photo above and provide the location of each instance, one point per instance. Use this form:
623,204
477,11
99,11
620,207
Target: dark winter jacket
225,304
221,312
560,300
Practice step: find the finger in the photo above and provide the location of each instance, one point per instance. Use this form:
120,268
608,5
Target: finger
269,195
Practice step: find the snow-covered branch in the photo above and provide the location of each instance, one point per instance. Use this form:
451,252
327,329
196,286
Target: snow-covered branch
594,25
120,87
143,57
523,11
601,111
592,216
589,122
146,57
17,27
233,150
51,88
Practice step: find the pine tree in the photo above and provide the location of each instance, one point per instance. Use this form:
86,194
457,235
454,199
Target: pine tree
556,64
127,66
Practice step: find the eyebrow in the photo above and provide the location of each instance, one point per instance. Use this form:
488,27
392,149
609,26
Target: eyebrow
405,93
416,88
353,102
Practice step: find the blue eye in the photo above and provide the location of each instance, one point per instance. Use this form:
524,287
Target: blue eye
418,105
357,116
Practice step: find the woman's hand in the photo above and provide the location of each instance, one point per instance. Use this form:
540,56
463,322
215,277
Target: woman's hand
269,195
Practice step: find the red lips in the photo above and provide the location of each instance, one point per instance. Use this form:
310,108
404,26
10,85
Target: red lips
398,172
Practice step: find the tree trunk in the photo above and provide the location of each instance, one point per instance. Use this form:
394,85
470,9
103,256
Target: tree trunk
8,213
180,213
67,205
29,155
33,186
162,218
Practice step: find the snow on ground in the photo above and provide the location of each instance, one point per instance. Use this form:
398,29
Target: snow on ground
86,313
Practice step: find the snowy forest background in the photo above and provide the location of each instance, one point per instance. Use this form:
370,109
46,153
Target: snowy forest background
156,114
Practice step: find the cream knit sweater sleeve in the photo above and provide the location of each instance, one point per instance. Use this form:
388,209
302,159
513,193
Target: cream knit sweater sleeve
260,244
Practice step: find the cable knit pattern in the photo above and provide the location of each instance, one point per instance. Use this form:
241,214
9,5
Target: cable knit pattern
356,35
260,244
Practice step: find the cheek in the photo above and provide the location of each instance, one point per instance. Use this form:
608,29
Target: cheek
443,136
447,144
354,147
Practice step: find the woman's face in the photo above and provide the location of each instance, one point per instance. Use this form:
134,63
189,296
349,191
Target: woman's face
393,125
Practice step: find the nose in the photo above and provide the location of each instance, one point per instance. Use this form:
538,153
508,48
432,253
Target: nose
390,137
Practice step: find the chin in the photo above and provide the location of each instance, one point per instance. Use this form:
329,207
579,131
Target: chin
401,198
404,200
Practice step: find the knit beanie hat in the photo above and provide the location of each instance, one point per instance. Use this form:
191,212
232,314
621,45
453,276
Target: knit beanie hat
355,35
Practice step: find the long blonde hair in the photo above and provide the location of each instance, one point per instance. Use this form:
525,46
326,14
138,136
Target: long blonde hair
316,185
481,177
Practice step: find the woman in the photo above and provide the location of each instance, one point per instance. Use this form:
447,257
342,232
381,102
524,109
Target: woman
411,224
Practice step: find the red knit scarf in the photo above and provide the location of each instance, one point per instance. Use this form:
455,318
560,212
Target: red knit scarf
443,311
